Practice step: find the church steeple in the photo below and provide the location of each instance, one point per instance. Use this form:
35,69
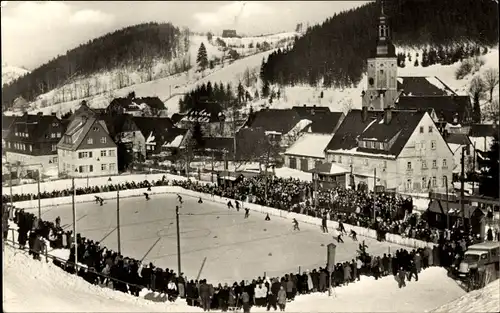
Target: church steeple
385,47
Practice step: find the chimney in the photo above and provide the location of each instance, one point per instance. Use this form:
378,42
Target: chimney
40,114
53,114
364,114
387,116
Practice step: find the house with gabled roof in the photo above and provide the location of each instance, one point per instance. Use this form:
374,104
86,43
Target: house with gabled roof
122,129
402,150
32,140
87,149
137,106
156,131
210,115
323,121
307,152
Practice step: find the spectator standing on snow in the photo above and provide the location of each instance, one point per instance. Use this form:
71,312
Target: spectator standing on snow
401,277
245,300
282,299
205,295
324,226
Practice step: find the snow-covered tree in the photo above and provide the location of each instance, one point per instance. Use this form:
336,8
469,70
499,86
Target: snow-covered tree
490,78
202,58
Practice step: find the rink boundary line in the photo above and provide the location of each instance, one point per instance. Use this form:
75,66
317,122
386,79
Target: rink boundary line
129,193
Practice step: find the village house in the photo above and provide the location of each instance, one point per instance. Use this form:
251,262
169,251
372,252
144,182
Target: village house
32,141
158,132
458,143
145,106
123,129
210,116
307,152
86,149
7,121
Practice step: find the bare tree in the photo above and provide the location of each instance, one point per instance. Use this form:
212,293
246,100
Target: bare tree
247,77
97,85
347,106
86,88
476,90
490,78
491,111
120,79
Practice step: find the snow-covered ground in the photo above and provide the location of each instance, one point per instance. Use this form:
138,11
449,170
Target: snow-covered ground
11,73
34,286
482,300
165,86
235,248
345,98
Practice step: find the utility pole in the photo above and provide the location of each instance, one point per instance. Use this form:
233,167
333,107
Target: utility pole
447,204
178,241
462,178
351,179
374,191
213,156
118,218
74,224
39,201
474,166
234,135
10,183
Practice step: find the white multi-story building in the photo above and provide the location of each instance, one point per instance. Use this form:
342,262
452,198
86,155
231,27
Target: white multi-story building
86,149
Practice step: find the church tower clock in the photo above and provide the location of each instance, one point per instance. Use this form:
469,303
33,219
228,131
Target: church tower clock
381,91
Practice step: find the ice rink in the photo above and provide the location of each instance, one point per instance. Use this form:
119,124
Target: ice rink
235,248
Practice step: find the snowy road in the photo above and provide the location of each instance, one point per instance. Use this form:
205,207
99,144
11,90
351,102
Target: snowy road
235,248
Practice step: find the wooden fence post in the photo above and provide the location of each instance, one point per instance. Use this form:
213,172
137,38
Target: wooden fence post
13,236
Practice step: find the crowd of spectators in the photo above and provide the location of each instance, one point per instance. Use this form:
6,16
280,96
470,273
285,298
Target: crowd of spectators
383,212
102,266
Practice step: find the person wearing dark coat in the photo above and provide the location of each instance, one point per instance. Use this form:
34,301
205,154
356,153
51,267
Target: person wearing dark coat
205,296
191,293
401,278
413,271
322,281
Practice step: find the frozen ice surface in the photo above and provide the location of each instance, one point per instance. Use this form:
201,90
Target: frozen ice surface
236,248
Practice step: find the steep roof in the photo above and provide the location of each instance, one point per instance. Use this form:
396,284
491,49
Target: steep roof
176,117
79,127
350,129
116,122
207,112
7,121
310,145
323,120
329,168
457,139
36,125
423,86
483,130
398,131
156,126
445,106
251,143
276,120
152,102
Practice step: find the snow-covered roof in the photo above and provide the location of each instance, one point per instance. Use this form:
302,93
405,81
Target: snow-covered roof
286,172
310,145
174,143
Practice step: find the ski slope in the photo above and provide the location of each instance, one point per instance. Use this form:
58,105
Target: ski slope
33,286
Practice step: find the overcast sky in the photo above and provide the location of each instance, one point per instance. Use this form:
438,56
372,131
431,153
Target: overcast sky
35,32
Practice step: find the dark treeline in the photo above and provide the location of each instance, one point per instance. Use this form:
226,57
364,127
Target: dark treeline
444,55
134,45
337,49
216,92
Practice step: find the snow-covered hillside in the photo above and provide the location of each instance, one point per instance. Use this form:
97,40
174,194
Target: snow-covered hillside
101,88
35,286
343,99
482,300
11,73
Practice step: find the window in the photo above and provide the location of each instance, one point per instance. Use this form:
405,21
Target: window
54,160
421,129
52,135
91,168
424,181
90,141
340,159
434,183
381,145
293,163
433,144
424,164
444,179
104,167
81,168
430,129
84,155
95,129
408,166
434,163
304,165
372,144
54,148
31,148
103,139
385,164
112,166
111,153
90,154
408,184
103,153
58,135
445,165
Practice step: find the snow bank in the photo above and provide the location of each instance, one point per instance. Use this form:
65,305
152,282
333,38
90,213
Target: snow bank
34,286
369,233
482,300
286,172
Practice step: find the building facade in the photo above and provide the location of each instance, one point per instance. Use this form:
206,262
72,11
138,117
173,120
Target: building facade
86,148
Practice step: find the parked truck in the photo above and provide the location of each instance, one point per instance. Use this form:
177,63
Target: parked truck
480,264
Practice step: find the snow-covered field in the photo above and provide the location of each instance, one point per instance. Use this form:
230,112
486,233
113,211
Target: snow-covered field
29,285
236,248
482,300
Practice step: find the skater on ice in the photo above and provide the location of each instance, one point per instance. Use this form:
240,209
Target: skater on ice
353,235
247,212
339,238
296,225
179,198
267,217
96,199
237,206
200,201
342,228
147,196
324,226
229,204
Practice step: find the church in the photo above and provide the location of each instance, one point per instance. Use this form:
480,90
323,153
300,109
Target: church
386,146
